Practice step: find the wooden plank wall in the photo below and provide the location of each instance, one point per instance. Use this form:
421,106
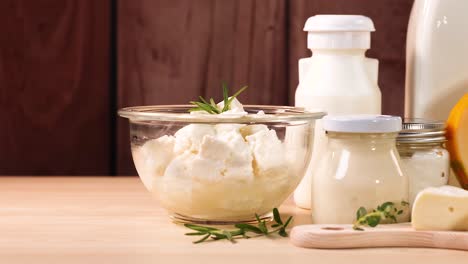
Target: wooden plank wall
58,100
54,92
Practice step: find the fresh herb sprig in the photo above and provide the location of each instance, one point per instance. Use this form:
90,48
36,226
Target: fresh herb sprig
210,105
387,210
261,229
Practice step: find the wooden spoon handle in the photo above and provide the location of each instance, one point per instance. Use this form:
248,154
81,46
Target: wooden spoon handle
398,235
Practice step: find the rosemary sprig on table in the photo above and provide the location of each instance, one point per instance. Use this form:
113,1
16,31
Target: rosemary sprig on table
387,210
210,105
261,229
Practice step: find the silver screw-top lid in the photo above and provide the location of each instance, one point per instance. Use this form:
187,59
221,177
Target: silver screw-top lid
417,130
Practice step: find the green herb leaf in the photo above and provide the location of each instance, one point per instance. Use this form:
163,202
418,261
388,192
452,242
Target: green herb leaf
204,107
262,227
404,203
357,228
261,230
225,97
250,228
386,206
218,236
202,99
287,222
211,107
282,232
237,93
228,235
361,212
194,109
195,234
277,216
200,228
383,212
202,239
373,220
213,103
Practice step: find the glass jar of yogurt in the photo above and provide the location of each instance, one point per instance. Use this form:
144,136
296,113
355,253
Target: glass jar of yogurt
360,168
423,155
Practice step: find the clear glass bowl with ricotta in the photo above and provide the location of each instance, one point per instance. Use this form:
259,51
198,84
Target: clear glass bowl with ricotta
223,168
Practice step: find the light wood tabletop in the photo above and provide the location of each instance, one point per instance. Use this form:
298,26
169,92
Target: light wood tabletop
114,220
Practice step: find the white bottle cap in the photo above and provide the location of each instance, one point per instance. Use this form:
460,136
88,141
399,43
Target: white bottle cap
338,32
362,123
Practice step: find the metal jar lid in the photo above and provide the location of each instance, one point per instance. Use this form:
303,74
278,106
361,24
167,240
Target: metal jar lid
417,130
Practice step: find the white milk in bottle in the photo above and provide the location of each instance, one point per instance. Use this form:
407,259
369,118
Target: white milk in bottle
338,78
436,60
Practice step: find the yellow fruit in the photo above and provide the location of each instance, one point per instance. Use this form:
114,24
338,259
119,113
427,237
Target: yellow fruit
457,144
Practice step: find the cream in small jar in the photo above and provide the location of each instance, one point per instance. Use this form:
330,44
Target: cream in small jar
360,168
423,155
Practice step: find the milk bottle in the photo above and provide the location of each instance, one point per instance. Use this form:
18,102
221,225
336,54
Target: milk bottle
338,78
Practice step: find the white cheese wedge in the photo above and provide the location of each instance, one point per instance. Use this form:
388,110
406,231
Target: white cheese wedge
239,159
206,170
209,163
231,151
153,157
442,208
180,166
267,150
189,138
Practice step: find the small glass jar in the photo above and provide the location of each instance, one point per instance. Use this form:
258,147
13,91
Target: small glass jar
423,155
360,167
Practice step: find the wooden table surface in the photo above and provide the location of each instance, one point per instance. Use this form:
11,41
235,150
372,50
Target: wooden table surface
114,220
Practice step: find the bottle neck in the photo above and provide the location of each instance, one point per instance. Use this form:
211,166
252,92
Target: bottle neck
338,40
352,53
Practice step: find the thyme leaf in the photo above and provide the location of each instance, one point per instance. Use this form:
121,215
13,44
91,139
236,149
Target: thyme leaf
387,210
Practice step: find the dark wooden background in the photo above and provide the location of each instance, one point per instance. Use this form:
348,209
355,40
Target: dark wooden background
67,65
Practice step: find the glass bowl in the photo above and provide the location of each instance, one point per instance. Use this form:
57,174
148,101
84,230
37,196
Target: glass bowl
220,169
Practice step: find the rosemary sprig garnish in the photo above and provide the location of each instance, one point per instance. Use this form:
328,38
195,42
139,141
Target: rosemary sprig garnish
385,211
261,229
210,105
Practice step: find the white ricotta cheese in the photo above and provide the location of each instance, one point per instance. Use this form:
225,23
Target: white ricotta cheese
267,150
210,170
152,160
190,137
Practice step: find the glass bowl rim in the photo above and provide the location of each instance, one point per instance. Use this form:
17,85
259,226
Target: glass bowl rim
274,114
